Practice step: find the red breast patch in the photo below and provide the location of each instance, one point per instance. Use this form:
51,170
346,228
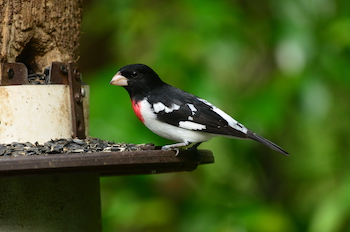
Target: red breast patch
137,109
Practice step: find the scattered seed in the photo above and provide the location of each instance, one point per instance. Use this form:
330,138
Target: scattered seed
64,146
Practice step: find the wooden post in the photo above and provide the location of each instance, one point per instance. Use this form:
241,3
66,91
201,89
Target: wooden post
39,32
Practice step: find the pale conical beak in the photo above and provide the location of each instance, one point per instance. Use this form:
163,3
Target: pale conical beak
119,80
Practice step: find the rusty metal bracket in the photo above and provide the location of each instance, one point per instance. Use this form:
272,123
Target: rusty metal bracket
13,74
58,74
17,74
76,97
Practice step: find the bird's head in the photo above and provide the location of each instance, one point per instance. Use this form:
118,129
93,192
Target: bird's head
136,79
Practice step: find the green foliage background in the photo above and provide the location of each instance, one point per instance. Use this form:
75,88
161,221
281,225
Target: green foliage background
279,67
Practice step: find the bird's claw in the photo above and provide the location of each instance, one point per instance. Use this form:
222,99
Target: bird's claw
177,150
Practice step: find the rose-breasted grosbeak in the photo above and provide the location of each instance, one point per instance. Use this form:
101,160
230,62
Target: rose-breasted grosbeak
177,115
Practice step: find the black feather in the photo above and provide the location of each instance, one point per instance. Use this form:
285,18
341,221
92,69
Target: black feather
266,142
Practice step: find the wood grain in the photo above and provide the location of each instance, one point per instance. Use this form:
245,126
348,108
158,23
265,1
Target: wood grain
39,32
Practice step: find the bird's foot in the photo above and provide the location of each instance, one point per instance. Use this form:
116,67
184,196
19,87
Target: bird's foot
176,149
177,145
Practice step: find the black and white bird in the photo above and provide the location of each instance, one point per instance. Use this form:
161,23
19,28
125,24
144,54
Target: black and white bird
177,115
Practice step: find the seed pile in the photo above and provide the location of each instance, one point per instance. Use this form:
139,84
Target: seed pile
62,146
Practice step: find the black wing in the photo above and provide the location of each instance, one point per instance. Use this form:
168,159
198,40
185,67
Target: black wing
190,112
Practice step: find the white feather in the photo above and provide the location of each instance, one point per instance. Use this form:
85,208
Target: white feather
192,108
191,125
231,122
168,131
157,107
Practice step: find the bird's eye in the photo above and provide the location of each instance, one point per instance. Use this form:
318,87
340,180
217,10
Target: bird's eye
134,74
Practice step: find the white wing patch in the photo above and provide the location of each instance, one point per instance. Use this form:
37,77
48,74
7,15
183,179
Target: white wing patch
231,122
191,125
157,107
192,108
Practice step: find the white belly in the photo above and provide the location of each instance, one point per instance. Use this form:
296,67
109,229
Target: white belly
176,134
168,131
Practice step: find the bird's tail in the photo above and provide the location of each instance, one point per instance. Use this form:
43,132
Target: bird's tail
266,142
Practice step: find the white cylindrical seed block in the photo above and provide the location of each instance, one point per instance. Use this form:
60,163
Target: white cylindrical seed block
35,113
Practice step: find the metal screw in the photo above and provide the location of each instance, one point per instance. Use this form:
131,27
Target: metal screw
10,73
64,69
78,98
83,92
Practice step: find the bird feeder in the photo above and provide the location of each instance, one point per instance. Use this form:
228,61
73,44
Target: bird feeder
43,101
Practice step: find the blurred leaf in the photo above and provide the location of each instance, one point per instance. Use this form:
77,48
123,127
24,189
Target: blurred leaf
279,67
